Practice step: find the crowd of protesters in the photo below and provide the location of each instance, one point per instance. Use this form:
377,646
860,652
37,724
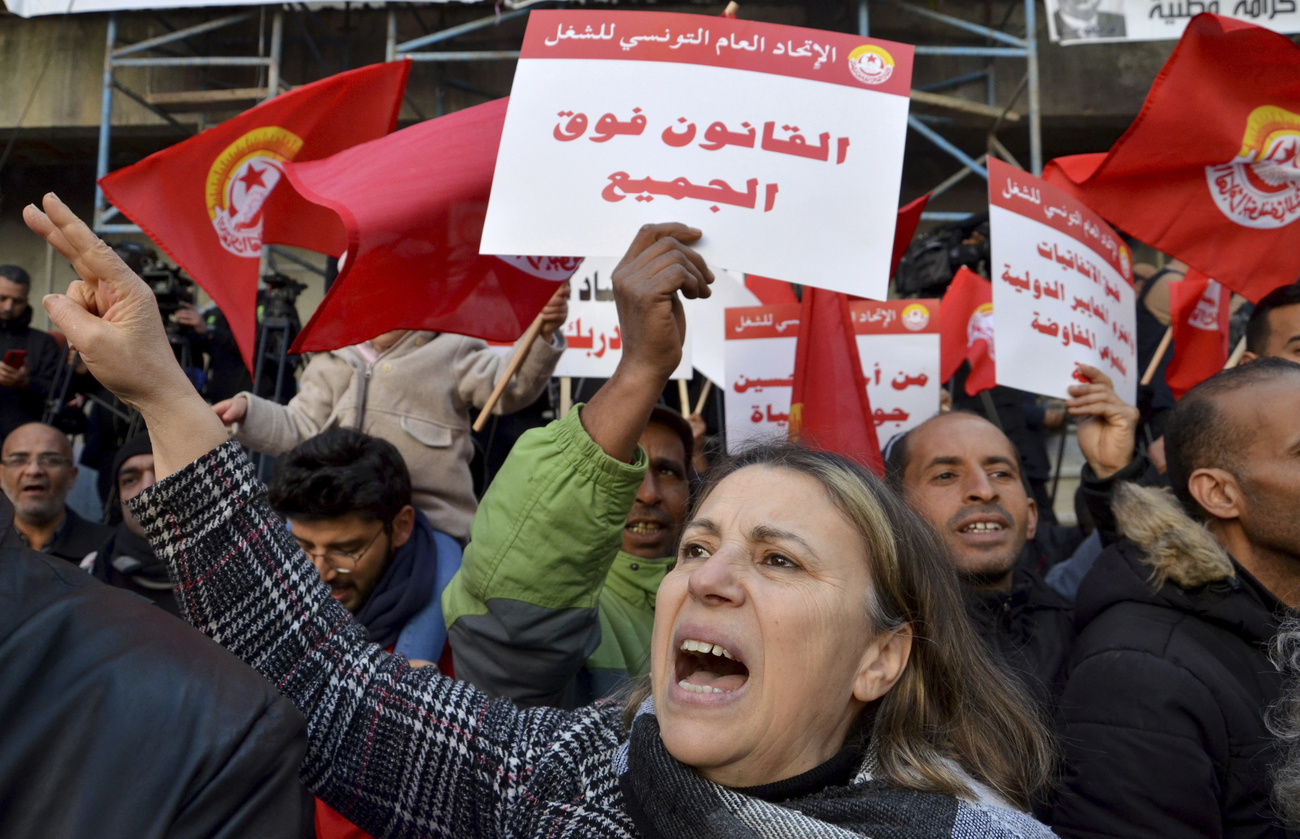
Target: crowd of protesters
618,639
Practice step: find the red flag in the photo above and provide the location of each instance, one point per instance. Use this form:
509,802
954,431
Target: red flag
1199,311
909,216
1210,169
411,208
770,292
966,330
203,200
829,407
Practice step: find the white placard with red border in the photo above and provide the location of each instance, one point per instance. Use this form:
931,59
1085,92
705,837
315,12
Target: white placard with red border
898,343
760,372
760,135
1062,289
595,340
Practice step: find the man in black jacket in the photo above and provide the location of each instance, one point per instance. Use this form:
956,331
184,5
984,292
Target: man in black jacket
962,474
120,720
1163,711
25,383
37,473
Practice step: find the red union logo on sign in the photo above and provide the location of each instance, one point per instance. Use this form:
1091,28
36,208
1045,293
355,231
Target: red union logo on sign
871,64
1260,187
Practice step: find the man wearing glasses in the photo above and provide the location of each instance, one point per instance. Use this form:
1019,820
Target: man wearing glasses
347,499
37,473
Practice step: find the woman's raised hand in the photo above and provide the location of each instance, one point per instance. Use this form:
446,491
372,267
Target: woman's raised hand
111,317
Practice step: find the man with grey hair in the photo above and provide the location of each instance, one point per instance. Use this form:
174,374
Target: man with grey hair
37,473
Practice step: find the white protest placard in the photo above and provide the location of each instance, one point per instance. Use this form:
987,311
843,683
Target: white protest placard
592,332
760,135
1062,289
760,372
898,343
1091,22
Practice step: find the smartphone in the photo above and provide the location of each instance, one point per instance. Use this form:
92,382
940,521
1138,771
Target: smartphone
15,359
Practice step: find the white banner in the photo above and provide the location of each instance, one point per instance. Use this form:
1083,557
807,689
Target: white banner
760,135
898,343
1062,289
760,372
35,8
592,331
1104,21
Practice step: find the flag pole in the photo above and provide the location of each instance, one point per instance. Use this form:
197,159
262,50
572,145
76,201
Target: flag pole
685,397
704,394
566,396
1237,352
1160,353
516,361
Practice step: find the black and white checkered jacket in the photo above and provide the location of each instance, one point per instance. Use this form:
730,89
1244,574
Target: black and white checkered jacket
399,751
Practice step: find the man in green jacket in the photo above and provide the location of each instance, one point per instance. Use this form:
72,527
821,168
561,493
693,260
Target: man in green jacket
554,601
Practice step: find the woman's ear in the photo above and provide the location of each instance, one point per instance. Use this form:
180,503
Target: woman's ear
883,664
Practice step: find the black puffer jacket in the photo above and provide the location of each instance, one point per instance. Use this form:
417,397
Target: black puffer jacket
119,720
1029,630
1162,718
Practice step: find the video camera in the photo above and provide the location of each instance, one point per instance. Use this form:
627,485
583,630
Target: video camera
277,299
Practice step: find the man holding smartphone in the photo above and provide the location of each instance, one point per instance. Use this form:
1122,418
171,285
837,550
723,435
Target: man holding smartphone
29,358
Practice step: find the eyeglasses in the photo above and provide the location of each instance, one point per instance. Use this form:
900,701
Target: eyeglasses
46,460
341,561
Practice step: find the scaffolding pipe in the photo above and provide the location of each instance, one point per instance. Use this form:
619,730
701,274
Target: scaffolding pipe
273,69
957,22
448,34
390,40
179,35
196,61
491,55
105,118
940,141
1035,113
986,52
864,20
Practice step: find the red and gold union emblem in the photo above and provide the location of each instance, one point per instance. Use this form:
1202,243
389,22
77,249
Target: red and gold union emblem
239,182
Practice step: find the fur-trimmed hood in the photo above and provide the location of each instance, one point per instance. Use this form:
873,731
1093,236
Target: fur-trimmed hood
1177,548
1166,559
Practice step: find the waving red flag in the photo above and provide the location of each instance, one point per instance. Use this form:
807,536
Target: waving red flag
203,201
966,330
829,408
1199,311
410,210
1210,169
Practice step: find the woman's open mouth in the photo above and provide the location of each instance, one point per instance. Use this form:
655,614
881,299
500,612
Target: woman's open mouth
704,667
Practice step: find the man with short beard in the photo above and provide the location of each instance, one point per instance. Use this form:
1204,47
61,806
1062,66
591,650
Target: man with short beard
1163,713
962,474
514,630
37,473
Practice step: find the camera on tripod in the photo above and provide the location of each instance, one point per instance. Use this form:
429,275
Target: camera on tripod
278,298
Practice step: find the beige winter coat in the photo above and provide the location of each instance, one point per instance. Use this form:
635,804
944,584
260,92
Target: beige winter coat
418,396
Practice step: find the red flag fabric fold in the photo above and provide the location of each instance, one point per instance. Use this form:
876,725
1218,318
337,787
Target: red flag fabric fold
411,207
1199,311
829,407
1210,169
966,331
204,201
909,216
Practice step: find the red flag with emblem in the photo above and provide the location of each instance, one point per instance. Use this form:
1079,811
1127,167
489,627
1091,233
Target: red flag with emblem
966,331
1210,169
208,201
1199,311
409,209
829,408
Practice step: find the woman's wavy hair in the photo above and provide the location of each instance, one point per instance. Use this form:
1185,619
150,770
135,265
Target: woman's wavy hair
1284,721
953,716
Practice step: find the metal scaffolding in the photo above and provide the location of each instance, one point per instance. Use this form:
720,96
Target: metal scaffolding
152,52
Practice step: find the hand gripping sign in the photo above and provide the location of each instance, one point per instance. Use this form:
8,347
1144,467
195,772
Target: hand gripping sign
784,145
1062,289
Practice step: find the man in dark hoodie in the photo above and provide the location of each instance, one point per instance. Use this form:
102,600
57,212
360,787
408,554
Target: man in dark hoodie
1163,712
126,560
32,356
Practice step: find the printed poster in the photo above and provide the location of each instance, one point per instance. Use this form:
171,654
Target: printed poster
1105,21
760,344
783,145
1062,289
898,342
